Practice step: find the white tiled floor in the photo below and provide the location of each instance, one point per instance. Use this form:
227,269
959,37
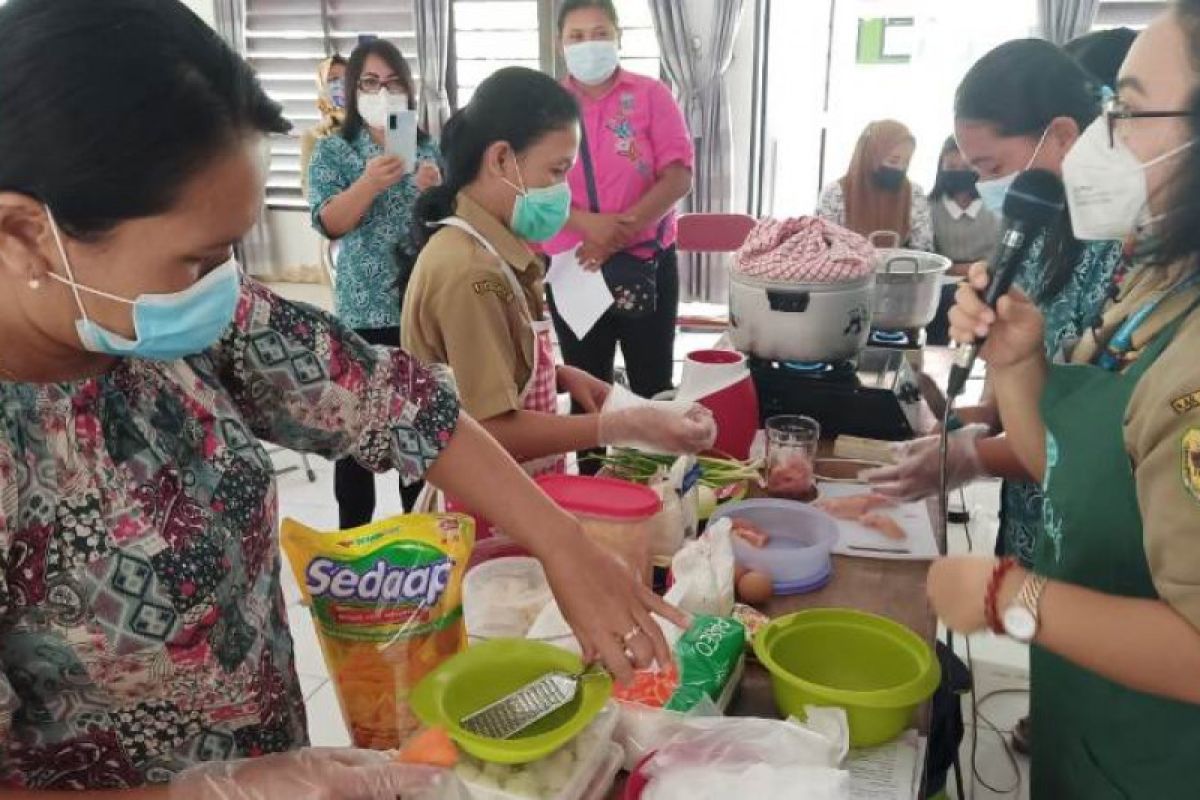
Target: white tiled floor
998,664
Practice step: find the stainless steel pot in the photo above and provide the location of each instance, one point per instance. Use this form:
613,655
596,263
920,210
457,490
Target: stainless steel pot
908,286
799,321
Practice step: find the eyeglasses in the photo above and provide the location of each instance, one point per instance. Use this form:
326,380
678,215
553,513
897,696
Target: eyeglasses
1115,110
372,85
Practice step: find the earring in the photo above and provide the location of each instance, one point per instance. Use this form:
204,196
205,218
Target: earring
35,284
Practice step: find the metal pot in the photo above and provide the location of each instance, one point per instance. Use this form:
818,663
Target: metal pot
799,321
908,287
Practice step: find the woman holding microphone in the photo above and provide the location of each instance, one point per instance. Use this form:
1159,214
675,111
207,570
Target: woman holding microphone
1112,602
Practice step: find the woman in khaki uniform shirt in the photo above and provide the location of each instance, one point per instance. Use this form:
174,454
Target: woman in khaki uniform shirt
1112,605
475,301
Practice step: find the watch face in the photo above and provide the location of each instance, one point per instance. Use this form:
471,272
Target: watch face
1019,623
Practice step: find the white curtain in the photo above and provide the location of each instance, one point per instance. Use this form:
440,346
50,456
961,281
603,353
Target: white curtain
254,251
696,39
1060,21
433,52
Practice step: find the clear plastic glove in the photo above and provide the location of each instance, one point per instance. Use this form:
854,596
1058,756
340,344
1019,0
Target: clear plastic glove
662,430
917,471
316,774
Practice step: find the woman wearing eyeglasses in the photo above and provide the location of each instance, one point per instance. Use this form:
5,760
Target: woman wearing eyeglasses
363,198
1112,603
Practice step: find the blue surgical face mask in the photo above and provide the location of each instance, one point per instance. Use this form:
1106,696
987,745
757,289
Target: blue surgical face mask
540,214
992,192
167,326
592,63
337,92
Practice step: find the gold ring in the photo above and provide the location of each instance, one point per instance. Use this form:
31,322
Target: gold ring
633,634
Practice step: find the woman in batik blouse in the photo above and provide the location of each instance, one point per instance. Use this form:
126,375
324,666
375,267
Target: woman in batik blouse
142,626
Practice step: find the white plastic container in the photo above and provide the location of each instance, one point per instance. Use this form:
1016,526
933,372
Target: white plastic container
580,767
801,539
502,598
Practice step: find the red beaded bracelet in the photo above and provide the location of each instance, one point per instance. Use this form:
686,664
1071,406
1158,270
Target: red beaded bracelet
990,612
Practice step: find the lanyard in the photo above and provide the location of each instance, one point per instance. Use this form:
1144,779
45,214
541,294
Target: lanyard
1122,341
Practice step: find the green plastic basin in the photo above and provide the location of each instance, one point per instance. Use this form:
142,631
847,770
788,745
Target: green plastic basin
484,673
877,670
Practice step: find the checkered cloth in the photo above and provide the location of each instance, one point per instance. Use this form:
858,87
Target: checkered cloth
804,250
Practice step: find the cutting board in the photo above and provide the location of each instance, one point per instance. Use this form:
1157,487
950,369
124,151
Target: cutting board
862,542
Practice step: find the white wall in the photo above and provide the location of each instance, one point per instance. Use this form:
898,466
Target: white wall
295,246
950,36
204,8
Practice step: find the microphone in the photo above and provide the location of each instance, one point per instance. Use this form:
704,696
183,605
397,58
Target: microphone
1034,201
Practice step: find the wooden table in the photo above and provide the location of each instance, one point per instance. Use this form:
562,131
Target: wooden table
892,589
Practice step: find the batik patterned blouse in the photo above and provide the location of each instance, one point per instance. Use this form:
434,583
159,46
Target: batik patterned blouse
142,625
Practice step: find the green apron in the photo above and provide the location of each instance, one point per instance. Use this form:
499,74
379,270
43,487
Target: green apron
1094,739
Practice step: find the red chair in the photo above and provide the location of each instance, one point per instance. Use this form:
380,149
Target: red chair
714,233
711,233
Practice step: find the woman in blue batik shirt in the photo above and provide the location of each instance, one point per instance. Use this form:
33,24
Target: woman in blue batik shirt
363,197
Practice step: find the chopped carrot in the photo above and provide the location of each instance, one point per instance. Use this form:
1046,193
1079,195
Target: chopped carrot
432,748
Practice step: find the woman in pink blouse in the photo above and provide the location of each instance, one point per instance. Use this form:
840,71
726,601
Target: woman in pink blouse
638,150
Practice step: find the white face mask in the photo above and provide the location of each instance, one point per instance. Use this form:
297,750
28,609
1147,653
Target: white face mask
993,192
374,108
1106,185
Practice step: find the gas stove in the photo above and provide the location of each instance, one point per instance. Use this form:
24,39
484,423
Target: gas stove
912,342
875,396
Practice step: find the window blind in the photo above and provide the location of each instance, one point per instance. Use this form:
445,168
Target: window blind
1128,13
492,34
285,40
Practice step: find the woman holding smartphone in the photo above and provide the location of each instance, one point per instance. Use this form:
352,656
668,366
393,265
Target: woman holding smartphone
362,196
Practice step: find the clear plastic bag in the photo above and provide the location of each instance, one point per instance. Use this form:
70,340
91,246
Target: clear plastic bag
703,573
317,774
720,757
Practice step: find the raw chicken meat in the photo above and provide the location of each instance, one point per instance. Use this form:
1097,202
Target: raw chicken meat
853,507
884,524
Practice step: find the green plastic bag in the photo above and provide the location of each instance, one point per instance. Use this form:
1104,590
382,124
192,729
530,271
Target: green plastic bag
706,655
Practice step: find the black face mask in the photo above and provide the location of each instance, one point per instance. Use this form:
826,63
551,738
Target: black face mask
959,181
889,178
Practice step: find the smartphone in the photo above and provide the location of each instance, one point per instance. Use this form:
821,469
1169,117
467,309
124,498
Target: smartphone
401,137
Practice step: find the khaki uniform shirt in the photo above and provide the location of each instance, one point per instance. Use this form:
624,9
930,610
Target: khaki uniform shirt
1162,434
461,311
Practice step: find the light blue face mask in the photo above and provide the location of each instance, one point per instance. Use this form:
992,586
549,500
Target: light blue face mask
993,192
592,63
167,326
539,214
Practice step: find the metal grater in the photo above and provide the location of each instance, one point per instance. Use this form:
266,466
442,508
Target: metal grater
528,705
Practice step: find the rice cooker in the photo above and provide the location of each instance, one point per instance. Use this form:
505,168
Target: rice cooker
788,321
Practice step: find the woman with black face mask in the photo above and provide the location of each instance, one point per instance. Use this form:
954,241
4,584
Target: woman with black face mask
964,229
876,195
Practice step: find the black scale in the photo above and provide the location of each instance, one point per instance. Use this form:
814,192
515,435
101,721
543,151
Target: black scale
875,395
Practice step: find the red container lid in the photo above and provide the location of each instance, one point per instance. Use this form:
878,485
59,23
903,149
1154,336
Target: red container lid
601,497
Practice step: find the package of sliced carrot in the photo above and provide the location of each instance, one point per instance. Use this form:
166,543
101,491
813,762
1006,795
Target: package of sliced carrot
386,600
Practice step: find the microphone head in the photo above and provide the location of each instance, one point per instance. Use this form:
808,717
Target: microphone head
1036,198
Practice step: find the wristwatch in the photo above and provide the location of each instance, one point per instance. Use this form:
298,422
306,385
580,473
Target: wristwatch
1021,619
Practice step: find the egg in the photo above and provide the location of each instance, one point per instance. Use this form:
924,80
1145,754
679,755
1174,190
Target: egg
755,588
